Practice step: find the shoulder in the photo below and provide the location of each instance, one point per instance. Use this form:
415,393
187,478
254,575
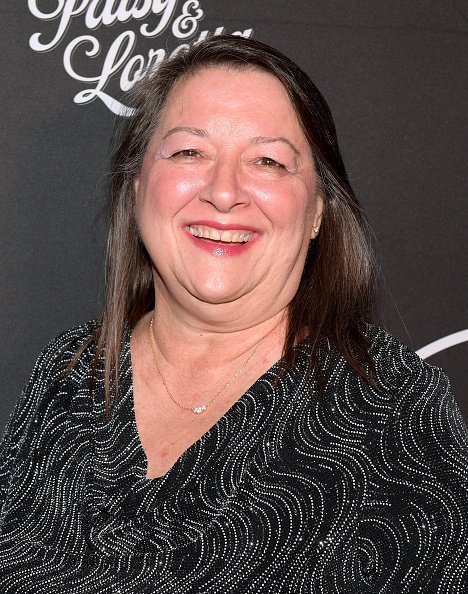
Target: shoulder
416,407
399,370
57,355
69,341
52,391
409,398
53,374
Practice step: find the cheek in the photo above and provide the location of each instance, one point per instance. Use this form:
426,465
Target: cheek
166,189
183,188
290,207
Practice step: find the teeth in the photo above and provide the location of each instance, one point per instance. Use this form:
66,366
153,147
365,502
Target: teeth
215,235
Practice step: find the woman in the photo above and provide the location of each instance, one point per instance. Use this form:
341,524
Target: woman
233,424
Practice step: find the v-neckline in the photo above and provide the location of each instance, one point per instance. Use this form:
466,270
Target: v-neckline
215,464
200,441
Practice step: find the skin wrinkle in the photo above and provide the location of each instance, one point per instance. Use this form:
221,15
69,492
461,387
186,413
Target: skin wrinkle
266,140
217,159
253,139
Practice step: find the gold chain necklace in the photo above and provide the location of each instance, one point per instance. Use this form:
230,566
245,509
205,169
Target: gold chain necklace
199,409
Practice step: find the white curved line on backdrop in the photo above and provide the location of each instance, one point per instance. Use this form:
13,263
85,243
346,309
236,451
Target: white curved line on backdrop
443,343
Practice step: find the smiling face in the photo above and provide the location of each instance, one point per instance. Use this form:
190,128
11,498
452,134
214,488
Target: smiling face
227,197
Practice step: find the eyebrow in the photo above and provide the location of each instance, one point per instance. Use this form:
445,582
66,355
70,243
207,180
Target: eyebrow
195,131
268,140
200,132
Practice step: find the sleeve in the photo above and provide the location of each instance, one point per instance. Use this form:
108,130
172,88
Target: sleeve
20,419
414,530
25,418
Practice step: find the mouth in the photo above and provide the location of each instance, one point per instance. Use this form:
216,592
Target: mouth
227,236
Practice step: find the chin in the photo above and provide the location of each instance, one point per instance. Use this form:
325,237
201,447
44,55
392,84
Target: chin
217,295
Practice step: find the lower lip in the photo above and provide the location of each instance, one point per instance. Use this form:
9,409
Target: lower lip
221,249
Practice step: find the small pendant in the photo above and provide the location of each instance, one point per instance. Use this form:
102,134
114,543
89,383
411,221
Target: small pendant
198,409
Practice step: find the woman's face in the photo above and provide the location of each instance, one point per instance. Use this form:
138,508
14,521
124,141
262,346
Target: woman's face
227,195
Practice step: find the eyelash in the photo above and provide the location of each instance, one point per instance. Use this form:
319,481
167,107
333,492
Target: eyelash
273,164
269,163
183,153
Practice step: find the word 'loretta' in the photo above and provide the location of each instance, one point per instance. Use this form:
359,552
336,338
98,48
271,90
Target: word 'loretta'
119,56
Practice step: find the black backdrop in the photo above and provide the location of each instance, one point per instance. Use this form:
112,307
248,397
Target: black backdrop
393,73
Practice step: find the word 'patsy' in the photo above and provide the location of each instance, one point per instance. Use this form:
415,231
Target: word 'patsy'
120,56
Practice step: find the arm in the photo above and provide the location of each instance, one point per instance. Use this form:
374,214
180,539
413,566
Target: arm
415,521
19,422
26,418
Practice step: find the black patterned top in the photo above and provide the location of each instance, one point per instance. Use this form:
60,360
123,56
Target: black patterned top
358,490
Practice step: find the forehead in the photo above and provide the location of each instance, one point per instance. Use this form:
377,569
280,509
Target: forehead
218,76
245,96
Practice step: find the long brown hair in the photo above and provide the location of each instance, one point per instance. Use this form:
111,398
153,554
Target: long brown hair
334,294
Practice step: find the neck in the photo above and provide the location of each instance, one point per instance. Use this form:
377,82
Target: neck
185,340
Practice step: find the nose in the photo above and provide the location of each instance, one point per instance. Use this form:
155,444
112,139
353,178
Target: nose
223,188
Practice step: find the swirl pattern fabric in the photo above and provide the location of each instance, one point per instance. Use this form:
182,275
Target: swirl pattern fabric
353,490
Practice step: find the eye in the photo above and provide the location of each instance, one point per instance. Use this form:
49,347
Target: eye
270,163
188,153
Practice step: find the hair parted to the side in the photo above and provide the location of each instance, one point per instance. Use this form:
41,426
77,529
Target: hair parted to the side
335,291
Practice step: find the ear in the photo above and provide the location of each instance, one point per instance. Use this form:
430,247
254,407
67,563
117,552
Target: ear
136,184
317,216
